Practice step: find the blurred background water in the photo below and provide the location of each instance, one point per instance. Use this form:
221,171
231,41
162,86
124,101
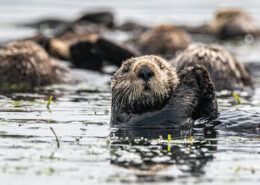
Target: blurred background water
80,114
146,11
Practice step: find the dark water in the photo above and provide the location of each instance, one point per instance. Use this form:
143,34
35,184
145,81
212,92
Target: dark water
91,153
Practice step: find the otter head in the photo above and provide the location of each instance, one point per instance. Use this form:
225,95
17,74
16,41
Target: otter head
226,16
143,83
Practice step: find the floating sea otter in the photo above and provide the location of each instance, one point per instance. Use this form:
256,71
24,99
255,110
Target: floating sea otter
228,23
163,40
26,64
147,92
85,54
226,72
84,50
59,46
231,22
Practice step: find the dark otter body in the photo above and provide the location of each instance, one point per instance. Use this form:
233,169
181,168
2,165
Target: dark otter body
103,17
226,72
84,50
92,55
192,98
59,46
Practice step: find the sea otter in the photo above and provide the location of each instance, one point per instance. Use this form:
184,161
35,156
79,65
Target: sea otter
59,46
228,23
233,22
105,18
85,50
147,92
92,55
26,64
163,40
226,72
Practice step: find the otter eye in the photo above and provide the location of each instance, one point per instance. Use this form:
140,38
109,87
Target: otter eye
161,67
125,70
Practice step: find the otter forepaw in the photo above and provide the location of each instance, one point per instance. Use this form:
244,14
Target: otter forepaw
197,76
203,79
207,106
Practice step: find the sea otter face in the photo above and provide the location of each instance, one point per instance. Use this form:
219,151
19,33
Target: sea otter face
143,82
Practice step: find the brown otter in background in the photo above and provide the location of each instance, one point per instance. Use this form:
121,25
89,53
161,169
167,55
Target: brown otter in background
26,64
60,46
226,72
89,55
228,23
105,18
232,22
146,92
84,50
163,40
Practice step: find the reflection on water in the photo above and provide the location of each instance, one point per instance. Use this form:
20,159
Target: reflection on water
149,151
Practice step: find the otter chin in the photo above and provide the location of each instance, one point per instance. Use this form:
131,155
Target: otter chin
147,91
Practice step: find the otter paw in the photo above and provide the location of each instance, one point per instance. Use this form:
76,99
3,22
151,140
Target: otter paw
207,106
197,77
203,79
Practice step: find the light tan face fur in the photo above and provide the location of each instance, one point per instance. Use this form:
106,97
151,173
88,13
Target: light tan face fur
128,89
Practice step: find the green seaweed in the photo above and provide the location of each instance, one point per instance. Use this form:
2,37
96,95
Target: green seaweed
56,137
237,98
49,102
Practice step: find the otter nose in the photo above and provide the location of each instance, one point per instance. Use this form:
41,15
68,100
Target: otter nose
145,73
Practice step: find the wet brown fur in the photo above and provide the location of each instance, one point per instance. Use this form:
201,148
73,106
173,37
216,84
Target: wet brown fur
163,40
28,63
60,46
226,71
172,100
232,22
129,90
